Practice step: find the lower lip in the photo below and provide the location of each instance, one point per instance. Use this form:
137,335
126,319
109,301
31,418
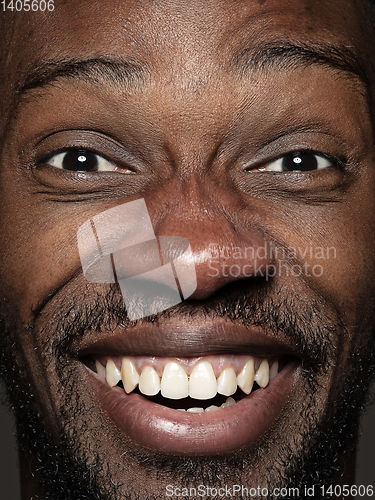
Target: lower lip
164,430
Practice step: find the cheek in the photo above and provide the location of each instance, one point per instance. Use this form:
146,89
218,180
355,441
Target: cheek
332,246
38,252
350,276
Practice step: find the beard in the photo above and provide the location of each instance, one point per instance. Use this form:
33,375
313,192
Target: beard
67,469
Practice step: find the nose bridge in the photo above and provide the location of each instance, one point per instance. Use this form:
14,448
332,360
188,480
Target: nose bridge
225,246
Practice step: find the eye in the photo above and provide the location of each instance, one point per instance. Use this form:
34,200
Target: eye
80,160
300,161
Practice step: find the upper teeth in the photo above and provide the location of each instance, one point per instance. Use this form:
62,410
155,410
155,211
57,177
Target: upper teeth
202,381
227,382
175,383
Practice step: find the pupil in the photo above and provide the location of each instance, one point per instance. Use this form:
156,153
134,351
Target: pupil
300,161
80,161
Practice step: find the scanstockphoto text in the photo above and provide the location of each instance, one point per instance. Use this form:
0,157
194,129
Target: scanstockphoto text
241,491
268,261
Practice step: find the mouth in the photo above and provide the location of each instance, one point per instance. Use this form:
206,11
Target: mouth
207,404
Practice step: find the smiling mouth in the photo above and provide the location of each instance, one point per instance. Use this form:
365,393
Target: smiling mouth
207,404
190,388
196,384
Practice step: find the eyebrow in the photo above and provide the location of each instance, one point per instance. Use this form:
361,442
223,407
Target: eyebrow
277,54
94,70
286,55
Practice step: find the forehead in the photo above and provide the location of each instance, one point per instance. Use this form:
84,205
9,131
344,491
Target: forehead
189,34
188,47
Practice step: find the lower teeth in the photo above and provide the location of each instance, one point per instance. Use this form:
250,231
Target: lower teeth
228,402
195,406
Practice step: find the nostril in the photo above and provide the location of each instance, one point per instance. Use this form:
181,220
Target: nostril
229,291
227,263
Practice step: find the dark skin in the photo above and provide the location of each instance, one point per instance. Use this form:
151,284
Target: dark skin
191,134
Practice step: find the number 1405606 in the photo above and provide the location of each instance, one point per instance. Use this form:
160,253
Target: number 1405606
28,5
339,491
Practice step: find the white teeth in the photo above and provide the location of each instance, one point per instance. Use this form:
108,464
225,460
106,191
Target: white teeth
149,381
113,375
228,402
245,379
203,383
100,369
227,382
262,376
129,375
195,410
274,370
212,408
174,382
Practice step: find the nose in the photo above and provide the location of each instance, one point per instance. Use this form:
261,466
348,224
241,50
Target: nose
225,245
186,252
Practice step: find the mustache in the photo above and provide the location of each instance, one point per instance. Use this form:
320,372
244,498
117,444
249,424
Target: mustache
312,325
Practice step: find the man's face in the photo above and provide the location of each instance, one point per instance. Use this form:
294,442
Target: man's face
246,129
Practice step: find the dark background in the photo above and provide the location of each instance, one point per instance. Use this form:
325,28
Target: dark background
9,472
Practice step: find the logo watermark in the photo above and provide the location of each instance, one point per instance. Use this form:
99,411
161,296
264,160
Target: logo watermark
119,246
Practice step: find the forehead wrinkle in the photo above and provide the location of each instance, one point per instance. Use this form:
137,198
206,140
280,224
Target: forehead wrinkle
288,55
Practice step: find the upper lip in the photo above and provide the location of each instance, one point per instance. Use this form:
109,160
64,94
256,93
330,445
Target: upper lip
179,338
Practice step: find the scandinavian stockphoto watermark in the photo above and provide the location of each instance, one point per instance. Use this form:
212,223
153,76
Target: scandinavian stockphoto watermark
119,246
268,261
